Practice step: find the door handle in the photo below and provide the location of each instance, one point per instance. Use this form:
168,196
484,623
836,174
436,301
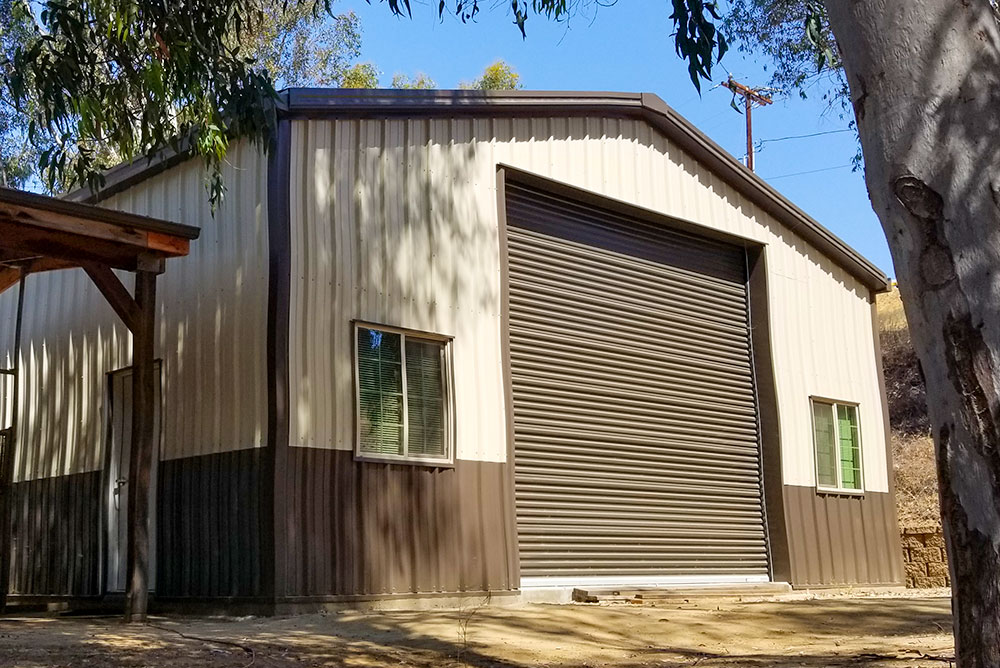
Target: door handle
119,483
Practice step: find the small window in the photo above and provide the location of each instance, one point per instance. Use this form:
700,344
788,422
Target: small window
403,395
837,440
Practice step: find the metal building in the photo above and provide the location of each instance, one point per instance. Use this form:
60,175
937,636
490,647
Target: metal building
454,342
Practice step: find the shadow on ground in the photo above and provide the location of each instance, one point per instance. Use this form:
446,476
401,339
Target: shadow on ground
818,632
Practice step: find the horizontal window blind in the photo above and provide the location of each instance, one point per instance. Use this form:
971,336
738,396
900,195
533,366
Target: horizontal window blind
403,395
425,398
380,387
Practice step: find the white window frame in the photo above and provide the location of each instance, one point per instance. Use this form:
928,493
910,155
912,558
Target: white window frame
839,489
448,398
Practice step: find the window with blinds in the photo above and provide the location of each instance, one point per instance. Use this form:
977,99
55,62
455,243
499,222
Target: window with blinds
837,443
403,395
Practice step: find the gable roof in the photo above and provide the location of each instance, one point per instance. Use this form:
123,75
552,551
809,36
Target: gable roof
384,103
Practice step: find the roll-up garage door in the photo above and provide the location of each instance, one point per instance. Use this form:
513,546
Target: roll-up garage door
635,421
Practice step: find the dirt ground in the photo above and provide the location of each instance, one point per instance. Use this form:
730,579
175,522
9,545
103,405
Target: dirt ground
792,630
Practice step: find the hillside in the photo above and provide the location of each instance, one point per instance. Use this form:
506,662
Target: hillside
912,446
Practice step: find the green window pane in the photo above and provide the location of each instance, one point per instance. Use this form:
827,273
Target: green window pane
850,447
380,392
824,439
425,398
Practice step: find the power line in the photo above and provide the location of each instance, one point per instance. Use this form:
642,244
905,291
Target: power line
811,171
814,134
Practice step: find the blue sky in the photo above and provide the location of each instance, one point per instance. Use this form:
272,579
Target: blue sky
627,47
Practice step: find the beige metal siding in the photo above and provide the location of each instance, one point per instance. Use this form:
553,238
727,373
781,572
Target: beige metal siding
211,334
395,220
381,234
636,444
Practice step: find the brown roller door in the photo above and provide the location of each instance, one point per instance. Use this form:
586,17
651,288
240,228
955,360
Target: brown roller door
635,421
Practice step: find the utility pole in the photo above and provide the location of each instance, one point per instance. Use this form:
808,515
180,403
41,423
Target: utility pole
750,97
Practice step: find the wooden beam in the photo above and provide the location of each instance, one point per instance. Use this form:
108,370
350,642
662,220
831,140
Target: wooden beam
140,466
9,276
168,244
65,223
116,294
47,264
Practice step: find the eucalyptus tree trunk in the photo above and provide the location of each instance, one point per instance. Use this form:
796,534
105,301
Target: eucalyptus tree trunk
925,83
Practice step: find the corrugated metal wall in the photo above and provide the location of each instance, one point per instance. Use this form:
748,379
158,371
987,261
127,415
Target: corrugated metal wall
210,531
212,306
842,540
211,318
384,230
395,221
635,424
56,539
370,528
211,336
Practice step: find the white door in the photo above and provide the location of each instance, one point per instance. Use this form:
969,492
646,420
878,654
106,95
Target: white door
120,425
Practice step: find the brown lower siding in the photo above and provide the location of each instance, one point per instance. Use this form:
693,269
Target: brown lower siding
56,539
209,526
842,540
362,528
208,530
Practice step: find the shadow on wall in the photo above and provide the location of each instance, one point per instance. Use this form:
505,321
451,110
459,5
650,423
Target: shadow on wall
394,222
390,226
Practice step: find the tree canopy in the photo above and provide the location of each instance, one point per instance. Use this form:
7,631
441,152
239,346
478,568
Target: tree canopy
299,46
91,84
497,76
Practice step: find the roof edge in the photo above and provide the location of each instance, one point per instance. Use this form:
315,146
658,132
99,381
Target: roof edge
762,193
345,102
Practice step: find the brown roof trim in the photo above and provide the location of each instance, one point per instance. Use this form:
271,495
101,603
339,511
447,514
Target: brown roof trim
384,103
121,219
124,176
758,191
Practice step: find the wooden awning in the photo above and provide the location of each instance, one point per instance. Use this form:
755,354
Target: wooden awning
39,233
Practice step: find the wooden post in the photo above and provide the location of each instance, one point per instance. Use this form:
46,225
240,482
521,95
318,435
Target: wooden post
137,598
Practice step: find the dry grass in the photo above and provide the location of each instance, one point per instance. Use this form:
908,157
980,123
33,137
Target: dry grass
912,446
904,381
916,480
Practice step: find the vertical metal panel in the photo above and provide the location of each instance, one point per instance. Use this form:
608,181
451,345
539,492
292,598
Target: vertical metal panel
212,309
55,536
442,173
210,331
384,230
211,339
209,526
358,528
842,540
634,411
395,221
